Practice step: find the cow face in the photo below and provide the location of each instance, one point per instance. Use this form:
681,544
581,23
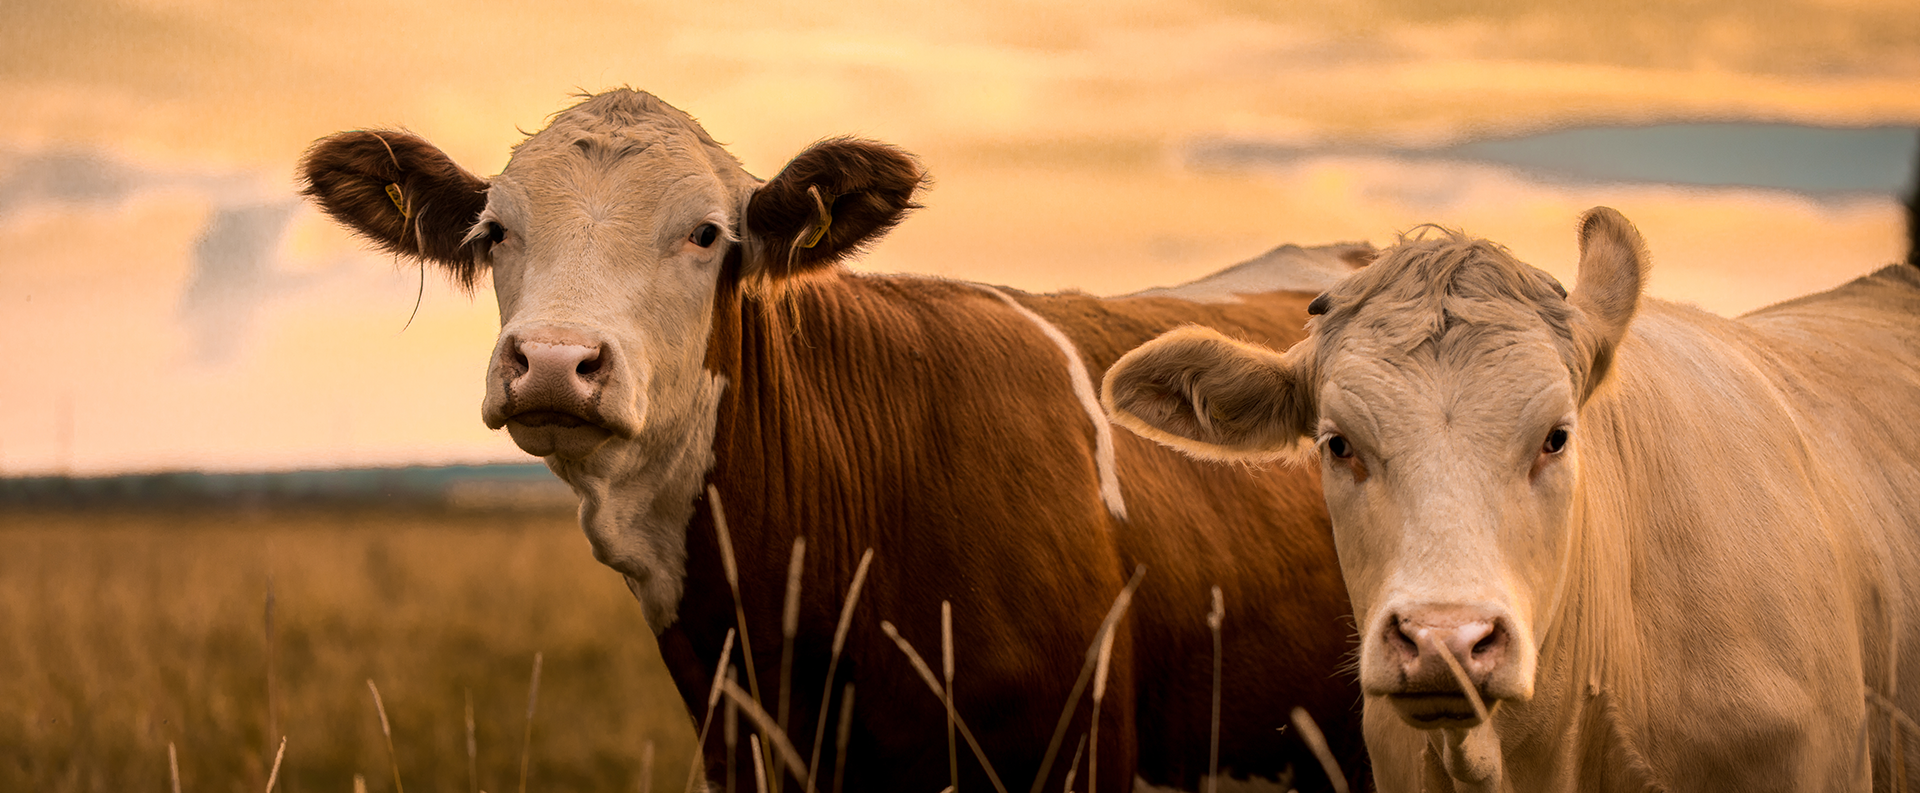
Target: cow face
1441,391
607,236
610,235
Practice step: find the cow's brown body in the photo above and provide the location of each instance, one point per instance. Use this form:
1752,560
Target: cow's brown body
931,422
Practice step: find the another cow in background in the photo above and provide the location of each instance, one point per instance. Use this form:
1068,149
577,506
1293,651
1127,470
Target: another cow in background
1667,550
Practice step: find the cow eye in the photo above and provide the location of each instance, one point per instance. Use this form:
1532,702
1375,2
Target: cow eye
496,233
1339,448
705,235
1556,441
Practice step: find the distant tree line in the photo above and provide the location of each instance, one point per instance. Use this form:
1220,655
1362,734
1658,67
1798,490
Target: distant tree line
459,486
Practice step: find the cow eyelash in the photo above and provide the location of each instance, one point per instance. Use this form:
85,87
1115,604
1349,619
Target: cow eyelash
705,235
1556,441
1338,446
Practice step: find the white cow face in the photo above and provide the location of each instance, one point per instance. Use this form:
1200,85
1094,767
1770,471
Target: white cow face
609,235
606,246
1441,390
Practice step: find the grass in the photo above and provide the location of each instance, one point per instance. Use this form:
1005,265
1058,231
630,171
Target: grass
123,634
137,648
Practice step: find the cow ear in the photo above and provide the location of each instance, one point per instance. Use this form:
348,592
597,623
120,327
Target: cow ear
830,202
1613,269
1209,396
401,192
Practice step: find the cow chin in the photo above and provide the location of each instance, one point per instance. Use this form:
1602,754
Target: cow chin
568,440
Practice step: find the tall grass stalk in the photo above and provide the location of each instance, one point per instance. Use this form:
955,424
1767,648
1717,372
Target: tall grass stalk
645,783
777,746
273,715
730,723
386,729
274,775
706,722
926,675
1434,645
833,664
526,743
1898,725
1100,668
1215,618
473,749
841,737
759,768
789,625
1073,767
946,671
1317,741
1119,608
173,767
732,568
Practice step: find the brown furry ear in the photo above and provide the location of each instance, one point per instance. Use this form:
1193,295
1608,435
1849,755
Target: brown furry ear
401,192
1209,396
1613,269
830,202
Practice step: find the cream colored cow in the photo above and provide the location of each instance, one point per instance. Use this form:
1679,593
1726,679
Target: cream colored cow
1668,550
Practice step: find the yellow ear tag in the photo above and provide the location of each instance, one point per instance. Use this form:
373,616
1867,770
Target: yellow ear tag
819,231
393,193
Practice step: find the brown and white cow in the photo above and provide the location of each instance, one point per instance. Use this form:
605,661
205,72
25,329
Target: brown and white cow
1669,550
668,321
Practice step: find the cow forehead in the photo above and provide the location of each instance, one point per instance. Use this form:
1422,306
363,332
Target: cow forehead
1473,380
637,149
621,117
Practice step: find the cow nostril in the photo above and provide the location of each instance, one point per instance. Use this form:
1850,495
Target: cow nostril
520,365
1492,640
587,367
1483,645
1398,637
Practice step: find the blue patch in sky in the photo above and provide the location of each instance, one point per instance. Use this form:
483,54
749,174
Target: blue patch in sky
1802,159
1779,156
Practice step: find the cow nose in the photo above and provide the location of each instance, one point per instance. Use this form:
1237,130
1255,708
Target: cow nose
1477,641
538,359
554,369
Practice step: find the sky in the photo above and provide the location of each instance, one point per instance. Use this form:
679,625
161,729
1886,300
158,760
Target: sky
167,303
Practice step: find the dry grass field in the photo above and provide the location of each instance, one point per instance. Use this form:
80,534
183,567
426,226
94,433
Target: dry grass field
121,632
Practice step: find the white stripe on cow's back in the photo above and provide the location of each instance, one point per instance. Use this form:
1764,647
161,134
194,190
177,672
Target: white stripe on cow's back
1089,399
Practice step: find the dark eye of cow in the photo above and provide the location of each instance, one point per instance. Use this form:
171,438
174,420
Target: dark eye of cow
1556,441
705,235
1339,448
496,233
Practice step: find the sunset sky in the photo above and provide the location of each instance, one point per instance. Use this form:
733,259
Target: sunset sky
166,303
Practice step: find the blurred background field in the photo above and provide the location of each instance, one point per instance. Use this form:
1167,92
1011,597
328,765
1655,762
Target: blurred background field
194,355
124,629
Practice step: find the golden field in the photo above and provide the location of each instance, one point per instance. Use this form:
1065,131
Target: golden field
122,632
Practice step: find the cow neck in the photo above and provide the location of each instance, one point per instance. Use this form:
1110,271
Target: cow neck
799,441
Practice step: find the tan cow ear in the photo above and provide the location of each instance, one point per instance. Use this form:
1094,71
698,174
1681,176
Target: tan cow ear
401,192
1613,269
1209,396
830,202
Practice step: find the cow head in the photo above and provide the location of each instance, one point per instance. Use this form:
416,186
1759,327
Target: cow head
609,235
1441,389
